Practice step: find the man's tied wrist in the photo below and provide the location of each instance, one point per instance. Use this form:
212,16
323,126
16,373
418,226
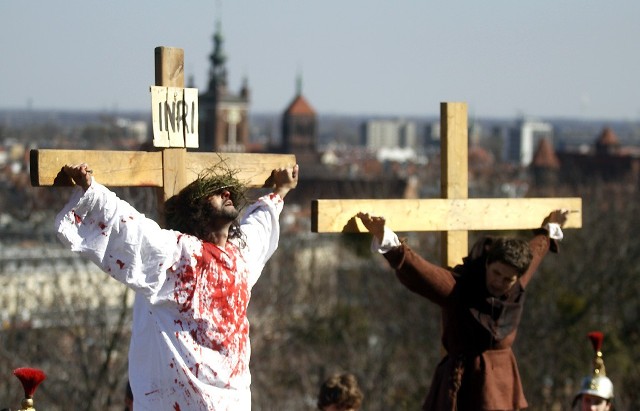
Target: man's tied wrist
554,230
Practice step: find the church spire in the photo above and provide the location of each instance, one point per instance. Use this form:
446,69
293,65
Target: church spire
299,84
218,71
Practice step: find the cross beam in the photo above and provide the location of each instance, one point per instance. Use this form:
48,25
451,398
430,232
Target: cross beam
454,214
145,168
334,216
169,169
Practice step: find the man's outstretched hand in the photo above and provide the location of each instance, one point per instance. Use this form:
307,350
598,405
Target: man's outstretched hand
556,216
80,174
284,180
374,224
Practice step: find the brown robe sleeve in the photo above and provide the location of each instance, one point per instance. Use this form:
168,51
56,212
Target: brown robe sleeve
419,275
436,283
540,245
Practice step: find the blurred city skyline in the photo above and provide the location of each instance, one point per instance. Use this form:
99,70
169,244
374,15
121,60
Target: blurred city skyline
505,59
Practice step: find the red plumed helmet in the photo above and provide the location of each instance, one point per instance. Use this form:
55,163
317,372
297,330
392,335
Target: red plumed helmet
30,379
596,338
596,384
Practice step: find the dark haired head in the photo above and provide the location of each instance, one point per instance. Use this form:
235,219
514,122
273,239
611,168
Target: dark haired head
342,391
187,211
511,251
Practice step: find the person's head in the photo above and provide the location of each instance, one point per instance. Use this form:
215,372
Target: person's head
340,392
596,393
507,260
590,402
204,204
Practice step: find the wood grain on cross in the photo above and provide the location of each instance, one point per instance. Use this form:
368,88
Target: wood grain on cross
169,169
454,213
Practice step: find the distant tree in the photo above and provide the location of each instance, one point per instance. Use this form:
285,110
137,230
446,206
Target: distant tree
593,284
79,339
322,306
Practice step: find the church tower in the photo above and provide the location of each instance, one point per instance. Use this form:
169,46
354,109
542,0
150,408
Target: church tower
224,117
545,167
299,126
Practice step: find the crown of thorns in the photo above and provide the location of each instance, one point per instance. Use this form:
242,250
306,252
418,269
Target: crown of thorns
183,207
212,181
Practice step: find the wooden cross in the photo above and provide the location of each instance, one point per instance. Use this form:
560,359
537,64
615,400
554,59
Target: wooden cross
169,169
454,213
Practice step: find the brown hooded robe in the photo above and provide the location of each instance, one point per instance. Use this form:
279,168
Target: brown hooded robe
479,371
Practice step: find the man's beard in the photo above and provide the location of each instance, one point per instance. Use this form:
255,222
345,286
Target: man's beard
221,215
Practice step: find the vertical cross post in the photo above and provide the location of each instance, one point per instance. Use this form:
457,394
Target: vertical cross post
454,174
169,68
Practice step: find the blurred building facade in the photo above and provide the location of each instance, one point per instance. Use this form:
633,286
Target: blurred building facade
300,128
389,133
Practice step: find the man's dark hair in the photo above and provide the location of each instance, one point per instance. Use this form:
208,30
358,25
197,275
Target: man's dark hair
342,391
511,251
187,210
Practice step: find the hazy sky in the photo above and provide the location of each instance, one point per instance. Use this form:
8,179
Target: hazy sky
540,58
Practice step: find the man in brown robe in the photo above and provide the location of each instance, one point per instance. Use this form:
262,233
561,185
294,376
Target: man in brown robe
481,302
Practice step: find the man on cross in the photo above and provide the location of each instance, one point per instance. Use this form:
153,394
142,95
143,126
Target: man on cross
481,302
190,344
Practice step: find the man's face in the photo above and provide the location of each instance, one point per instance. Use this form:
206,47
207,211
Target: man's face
221,206
594,403
500,278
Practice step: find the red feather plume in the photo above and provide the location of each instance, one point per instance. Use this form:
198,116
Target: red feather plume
30,379
596,338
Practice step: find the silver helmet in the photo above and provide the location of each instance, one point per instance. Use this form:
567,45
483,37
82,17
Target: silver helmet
600,386
597,383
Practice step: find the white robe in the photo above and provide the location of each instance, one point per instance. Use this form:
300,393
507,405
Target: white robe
190,337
